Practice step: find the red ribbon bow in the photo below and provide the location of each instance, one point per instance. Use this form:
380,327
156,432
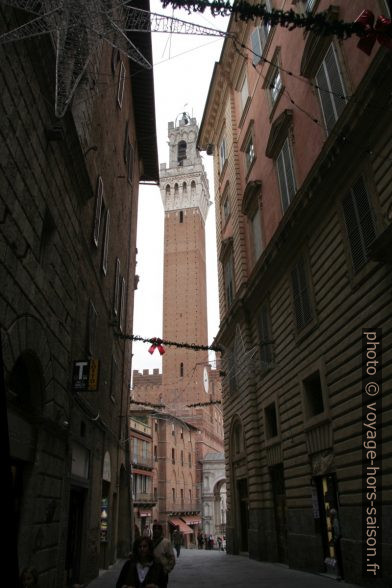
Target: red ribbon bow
381,31
157,344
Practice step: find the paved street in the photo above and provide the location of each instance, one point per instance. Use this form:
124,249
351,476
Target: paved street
213,569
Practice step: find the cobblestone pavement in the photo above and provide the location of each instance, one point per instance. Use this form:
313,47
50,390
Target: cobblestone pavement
214,569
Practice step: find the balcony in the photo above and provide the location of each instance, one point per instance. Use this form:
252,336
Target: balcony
141,460
143,498
182,506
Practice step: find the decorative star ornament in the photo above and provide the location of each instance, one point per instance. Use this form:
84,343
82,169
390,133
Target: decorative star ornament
78,27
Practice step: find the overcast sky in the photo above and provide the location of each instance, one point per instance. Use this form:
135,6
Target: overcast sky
183,66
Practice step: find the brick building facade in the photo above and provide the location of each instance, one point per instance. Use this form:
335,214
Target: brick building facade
300,131
187,387
68,210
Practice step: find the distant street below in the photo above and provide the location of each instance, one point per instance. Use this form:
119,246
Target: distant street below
215,569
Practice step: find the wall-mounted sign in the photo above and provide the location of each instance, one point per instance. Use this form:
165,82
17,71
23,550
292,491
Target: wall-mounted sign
85,375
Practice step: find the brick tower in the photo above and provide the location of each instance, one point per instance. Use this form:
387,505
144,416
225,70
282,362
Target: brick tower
185,197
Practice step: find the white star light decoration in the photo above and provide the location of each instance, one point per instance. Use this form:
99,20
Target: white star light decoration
78,26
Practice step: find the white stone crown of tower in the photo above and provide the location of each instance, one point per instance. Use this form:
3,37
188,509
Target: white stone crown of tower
184,183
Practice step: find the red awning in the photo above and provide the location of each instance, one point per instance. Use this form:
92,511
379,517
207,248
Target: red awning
181,525
191,520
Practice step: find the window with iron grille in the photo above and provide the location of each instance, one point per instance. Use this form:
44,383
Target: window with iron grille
265,337
330,87
359,222
286,178
301,294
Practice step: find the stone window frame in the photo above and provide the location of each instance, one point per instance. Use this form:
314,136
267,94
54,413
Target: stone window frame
249,140
121,84
237,443
116,296
269,438
274,70
251,205
316,367
243,102
92,328
357,274
280,133
99,204
225,210
264,329
303,329
105,247
260,38
121,314
227,257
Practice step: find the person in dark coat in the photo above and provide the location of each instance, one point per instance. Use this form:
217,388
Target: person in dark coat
141,570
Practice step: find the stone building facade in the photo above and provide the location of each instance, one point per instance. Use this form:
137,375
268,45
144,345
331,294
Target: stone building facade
68,210
188,389
300,132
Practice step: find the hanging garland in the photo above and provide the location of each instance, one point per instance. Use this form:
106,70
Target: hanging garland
156,342
319,23
147,404
211,402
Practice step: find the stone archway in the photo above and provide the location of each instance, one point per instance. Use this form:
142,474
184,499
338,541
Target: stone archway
220,499
38,446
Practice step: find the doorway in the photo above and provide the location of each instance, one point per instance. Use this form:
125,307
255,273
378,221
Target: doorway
243,509
75,530
280,510
326,487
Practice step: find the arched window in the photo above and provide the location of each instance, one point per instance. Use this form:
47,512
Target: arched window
181,369
167,190
184,188
193,186
237,438
181,153
175,189
181,216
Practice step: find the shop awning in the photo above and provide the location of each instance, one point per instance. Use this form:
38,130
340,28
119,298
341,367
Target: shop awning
191,520
181,525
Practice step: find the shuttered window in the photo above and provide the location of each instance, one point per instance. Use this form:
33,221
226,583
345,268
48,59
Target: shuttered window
121,85
98,208
266,353
331,89
284,166
359,221
301,296
257,241
116,297
92,327
259,37
229,282
106,244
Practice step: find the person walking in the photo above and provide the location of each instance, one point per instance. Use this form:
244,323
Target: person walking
141,570
163,550
177,541
219,541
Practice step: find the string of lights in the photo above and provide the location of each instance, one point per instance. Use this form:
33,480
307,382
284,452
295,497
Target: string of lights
155,340
209,403
319,23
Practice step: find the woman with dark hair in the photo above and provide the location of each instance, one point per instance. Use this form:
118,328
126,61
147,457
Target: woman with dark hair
141,571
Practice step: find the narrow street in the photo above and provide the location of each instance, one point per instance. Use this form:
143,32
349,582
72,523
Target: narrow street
214,569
